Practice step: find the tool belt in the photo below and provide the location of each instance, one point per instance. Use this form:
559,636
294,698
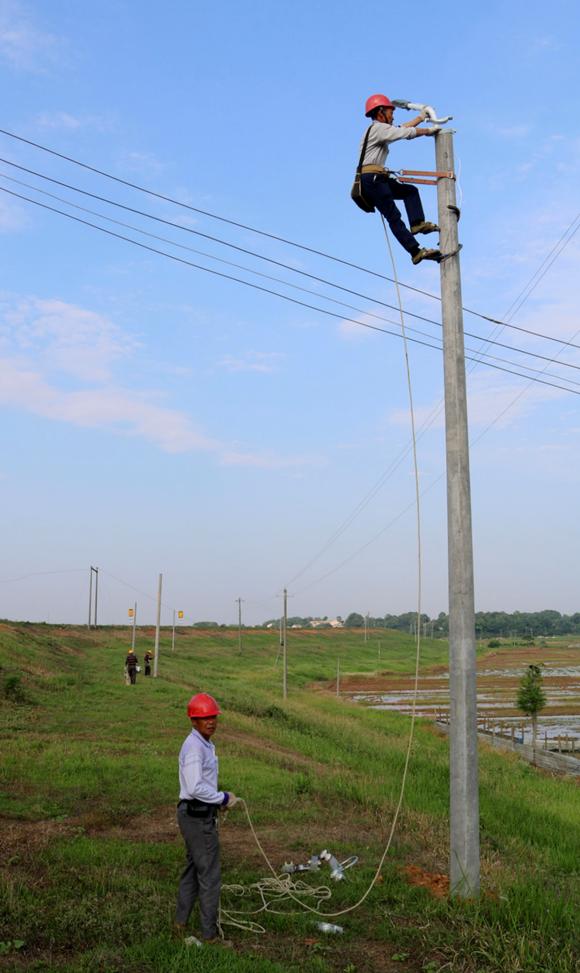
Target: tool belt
199,809
375,169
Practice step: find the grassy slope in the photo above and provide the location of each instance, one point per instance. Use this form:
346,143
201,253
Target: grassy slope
91,854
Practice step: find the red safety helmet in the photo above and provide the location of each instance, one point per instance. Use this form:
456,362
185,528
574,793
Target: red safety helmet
201,706
377,101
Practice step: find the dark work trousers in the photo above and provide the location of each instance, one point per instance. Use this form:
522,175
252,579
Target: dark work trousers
132,670
382,191
201,877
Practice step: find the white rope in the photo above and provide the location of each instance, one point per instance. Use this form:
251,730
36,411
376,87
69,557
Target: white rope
281,887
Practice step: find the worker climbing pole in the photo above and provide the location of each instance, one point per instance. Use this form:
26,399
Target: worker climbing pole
377,188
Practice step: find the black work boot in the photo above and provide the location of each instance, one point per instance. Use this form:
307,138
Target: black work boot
424,254
424,227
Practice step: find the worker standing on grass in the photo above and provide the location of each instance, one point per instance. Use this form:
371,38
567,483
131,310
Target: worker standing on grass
148,661
131,663
380,187
197,810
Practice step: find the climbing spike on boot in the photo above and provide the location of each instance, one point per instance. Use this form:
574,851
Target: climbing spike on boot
424,254
424,227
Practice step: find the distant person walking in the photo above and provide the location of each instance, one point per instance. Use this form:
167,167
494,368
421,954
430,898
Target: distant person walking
197,810
131,663
148,658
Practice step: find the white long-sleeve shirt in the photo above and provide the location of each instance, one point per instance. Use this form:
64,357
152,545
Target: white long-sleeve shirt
380,136
198,770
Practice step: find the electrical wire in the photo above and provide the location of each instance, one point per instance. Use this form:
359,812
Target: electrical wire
39,574
223,219
129,226
248,252
258,287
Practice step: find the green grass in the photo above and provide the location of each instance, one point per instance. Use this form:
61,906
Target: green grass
88,788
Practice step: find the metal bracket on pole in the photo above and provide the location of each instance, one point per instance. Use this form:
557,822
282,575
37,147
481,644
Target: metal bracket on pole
432,181
445,256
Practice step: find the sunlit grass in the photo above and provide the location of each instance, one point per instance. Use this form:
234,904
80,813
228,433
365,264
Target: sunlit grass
85,750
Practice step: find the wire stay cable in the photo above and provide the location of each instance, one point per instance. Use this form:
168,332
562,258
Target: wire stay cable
547,262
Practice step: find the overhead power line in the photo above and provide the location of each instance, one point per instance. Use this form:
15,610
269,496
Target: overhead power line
266,290
222,219
248,252
154,236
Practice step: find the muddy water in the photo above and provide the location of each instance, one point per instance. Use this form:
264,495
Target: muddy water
497,686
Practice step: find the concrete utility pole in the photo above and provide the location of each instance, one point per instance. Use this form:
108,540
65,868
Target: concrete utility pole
338,676
134,625
90,596
285,648
366,626
464,797
96,594
173,633
158,626
239,601
95,572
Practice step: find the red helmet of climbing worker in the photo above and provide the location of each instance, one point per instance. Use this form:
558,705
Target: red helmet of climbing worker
377,101
201,706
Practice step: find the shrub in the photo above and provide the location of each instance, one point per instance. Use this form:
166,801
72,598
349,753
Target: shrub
14,690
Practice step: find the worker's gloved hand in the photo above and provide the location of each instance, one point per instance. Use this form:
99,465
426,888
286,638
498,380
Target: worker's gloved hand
434,130
232,801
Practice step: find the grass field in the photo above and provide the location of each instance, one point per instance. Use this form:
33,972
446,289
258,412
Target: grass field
91,854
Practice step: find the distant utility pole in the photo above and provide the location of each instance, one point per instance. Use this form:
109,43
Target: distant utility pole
464,797
134,625
366,626
95,572
338,676
285,647
158,626
173,633
239,601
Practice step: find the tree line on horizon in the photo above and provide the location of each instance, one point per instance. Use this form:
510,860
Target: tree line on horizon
487,624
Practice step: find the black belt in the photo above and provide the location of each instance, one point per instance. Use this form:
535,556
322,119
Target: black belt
199,809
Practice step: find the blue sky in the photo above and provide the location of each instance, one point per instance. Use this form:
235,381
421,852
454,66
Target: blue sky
158,418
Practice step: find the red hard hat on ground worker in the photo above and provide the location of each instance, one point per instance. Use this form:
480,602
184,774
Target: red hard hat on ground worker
377,101
201,706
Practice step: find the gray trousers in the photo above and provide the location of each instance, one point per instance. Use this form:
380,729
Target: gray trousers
201,877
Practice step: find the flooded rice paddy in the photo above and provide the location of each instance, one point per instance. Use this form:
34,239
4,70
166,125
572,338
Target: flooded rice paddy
498,677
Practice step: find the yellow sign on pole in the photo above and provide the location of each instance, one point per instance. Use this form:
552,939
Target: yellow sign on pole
131,612
180,614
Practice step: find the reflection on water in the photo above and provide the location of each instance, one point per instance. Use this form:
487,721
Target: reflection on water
433,698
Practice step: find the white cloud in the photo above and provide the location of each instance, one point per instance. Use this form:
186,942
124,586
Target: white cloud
252,361
108,407
43,341
66,338
62,120
23,44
